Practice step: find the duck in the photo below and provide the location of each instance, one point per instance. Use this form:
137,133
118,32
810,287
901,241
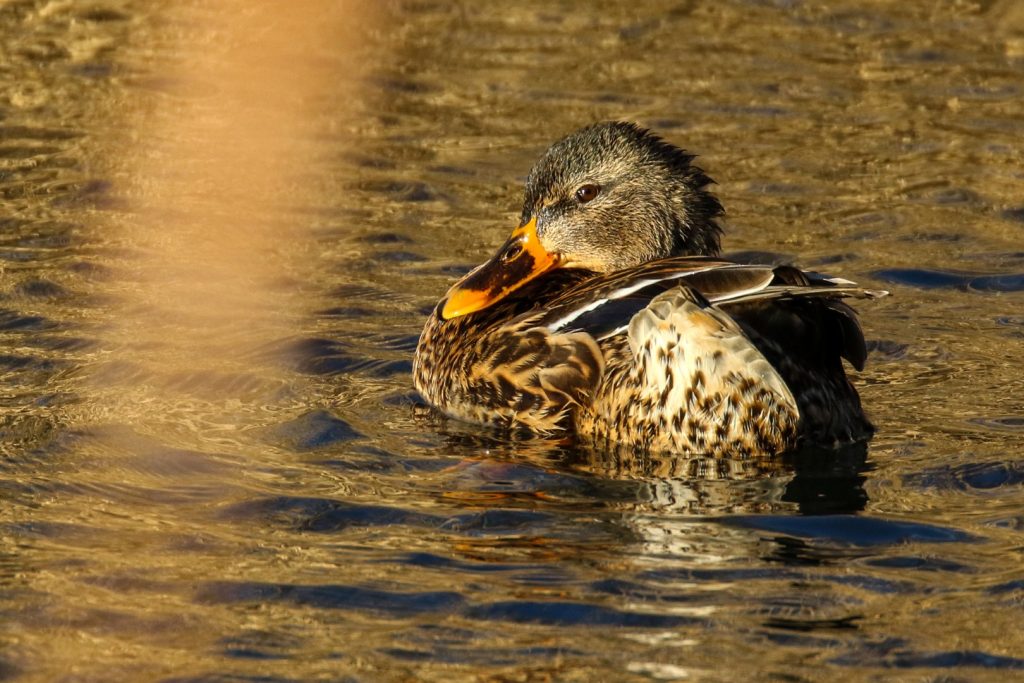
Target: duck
609,315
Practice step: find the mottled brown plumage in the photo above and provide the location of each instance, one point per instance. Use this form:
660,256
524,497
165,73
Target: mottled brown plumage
605,313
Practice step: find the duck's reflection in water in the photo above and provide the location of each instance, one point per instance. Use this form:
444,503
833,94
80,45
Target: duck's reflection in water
813,480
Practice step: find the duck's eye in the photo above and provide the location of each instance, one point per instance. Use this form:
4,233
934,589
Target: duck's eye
587,193
512,252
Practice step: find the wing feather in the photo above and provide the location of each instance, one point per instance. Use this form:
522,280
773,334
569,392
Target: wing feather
603,305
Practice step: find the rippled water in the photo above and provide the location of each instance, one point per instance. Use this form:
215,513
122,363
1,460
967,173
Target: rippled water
222,227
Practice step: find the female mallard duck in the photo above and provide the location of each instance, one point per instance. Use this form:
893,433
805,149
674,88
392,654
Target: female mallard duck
608,312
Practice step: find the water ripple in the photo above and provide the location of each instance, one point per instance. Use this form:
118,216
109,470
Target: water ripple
333,596
945,279
313,430
487,657
909,659
850,530
318,356
1011,423
325,515
981,476
575,614
12,321
431,560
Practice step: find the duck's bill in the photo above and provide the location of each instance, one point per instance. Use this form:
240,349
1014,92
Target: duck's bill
520,259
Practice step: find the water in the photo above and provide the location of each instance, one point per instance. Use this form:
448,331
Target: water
222,228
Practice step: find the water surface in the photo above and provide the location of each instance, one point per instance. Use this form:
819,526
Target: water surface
222,228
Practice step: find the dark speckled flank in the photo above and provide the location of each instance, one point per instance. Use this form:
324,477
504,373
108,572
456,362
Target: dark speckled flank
643,342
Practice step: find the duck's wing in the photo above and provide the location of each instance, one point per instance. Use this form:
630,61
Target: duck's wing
603,305
804,314
780,302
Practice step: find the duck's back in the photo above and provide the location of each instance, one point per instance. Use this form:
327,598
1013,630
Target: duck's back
705,356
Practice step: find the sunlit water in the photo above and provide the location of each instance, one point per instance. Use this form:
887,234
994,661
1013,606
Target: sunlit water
215,468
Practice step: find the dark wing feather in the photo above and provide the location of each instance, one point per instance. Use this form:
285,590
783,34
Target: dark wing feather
802,312
796,309
848,333
604,304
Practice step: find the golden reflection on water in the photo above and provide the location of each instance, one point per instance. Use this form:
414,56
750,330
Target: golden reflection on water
202,274
212,174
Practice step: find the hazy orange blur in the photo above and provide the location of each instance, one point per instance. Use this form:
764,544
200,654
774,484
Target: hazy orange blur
213,170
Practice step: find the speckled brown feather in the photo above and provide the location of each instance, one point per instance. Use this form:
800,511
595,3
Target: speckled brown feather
506,371
689,380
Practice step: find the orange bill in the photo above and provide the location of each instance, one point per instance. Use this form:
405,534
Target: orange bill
520,259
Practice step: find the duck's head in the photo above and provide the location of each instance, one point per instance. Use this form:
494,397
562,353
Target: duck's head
609,196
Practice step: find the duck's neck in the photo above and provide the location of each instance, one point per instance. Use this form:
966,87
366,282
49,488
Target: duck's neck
697,233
